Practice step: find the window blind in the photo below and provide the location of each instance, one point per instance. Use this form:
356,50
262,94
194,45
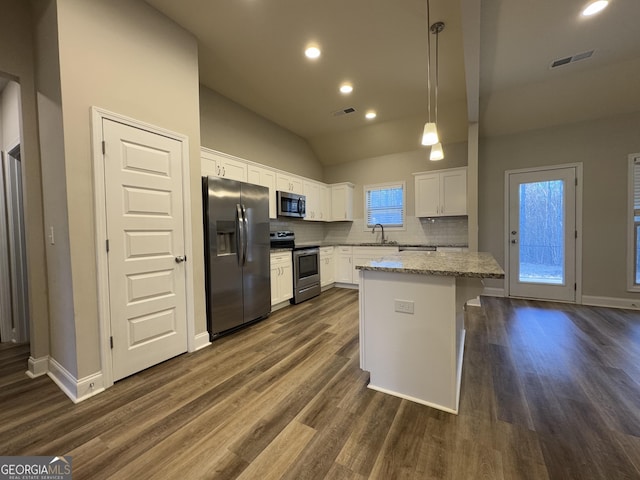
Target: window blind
385,205
636,187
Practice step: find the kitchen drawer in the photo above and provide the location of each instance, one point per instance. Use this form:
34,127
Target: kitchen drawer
280,257
344,250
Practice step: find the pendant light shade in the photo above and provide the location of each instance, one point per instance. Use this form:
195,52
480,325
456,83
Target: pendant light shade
430,134
436,152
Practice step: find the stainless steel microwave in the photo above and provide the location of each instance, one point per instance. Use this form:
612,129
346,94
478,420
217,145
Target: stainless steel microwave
291,204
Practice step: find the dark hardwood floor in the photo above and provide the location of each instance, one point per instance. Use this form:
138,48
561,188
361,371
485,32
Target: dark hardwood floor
549,391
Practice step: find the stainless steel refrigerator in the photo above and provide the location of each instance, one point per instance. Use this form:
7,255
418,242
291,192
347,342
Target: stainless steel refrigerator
237,248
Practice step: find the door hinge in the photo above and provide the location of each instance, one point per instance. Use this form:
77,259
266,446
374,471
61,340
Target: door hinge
575,287
576,181
104,147
111,341
576,234
107,245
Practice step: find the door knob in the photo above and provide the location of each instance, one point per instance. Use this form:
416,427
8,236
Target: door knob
513,232
181,258
514,241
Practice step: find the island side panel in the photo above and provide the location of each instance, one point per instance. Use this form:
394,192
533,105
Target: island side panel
415,355
467,288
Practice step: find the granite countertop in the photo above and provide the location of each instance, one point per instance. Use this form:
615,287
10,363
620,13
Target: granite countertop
456,264
378,244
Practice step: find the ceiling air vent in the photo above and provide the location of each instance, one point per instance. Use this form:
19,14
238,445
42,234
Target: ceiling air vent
572,59
344,111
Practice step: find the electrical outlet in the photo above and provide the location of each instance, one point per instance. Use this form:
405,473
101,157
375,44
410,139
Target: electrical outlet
404,306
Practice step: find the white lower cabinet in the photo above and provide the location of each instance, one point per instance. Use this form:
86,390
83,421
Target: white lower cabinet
344,264
327,266
362,255
347,258
281,277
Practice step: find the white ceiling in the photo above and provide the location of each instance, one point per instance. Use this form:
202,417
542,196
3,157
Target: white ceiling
251,51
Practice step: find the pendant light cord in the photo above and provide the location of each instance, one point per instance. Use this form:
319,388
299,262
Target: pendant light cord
437,76
429,60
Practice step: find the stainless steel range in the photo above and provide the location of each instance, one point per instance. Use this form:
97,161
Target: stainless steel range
306,266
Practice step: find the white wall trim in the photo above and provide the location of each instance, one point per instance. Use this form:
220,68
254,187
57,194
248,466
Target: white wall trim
97,116
201,340
612,302
631,285
38,366
76,389
493,292
579,200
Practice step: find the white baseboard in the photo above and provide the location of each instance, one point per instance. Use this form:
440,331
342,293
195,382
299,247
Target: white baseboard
201,340
352,286
76,389
38,366
628,303
493,292
280,305
591,300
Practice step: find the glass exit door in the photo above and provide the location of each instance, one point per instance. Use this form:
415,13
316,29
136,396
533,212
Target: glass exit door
542,234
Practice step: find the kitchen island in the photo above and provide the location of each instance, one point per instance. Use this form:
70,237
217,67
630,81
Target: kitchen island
412,322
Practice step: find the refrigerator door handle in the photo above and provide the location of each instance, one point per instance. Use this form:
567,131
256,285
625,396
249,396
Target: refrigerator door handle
241,234
245,226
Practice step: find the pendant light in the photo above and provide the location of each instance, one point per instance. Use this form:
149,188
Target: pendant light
430,133
436,150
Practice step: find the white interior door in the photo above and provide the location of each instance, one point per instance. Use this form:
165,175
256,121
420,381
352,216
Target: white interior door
542,234
147,292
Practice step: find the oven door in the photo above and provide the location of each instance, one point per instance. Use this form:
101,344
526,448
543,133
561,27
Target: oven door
306,267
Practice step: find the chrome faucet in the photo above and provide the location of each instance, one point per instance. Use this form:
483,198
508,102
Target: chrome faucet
373,230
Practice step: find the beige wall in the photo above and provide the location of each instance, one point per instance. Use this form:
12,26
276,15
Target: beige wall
10,116
391,168
230,128
54,189
602,146
127,58
16,61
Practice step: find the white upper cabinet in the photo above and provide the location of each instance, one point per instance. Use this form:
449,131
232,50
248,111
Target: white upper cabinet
342,201
325,203
313,205
219,164
267,178
441,193
289,183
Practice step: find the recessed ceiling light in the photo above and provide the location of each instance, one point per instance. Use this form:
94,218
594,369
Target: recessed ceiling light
312,52
346,88
595,7
370,115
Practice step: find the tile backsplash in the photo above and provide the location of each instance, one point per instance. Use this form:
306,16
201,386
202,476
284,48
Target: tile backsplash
436,231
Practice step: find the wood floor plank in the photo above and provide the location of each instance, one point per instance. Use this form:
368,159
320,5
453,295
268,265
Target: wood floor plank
549,391
280,454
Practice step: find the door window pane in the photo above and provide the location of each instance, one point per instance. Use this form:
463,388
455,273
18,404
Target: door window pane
542,232
637,249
